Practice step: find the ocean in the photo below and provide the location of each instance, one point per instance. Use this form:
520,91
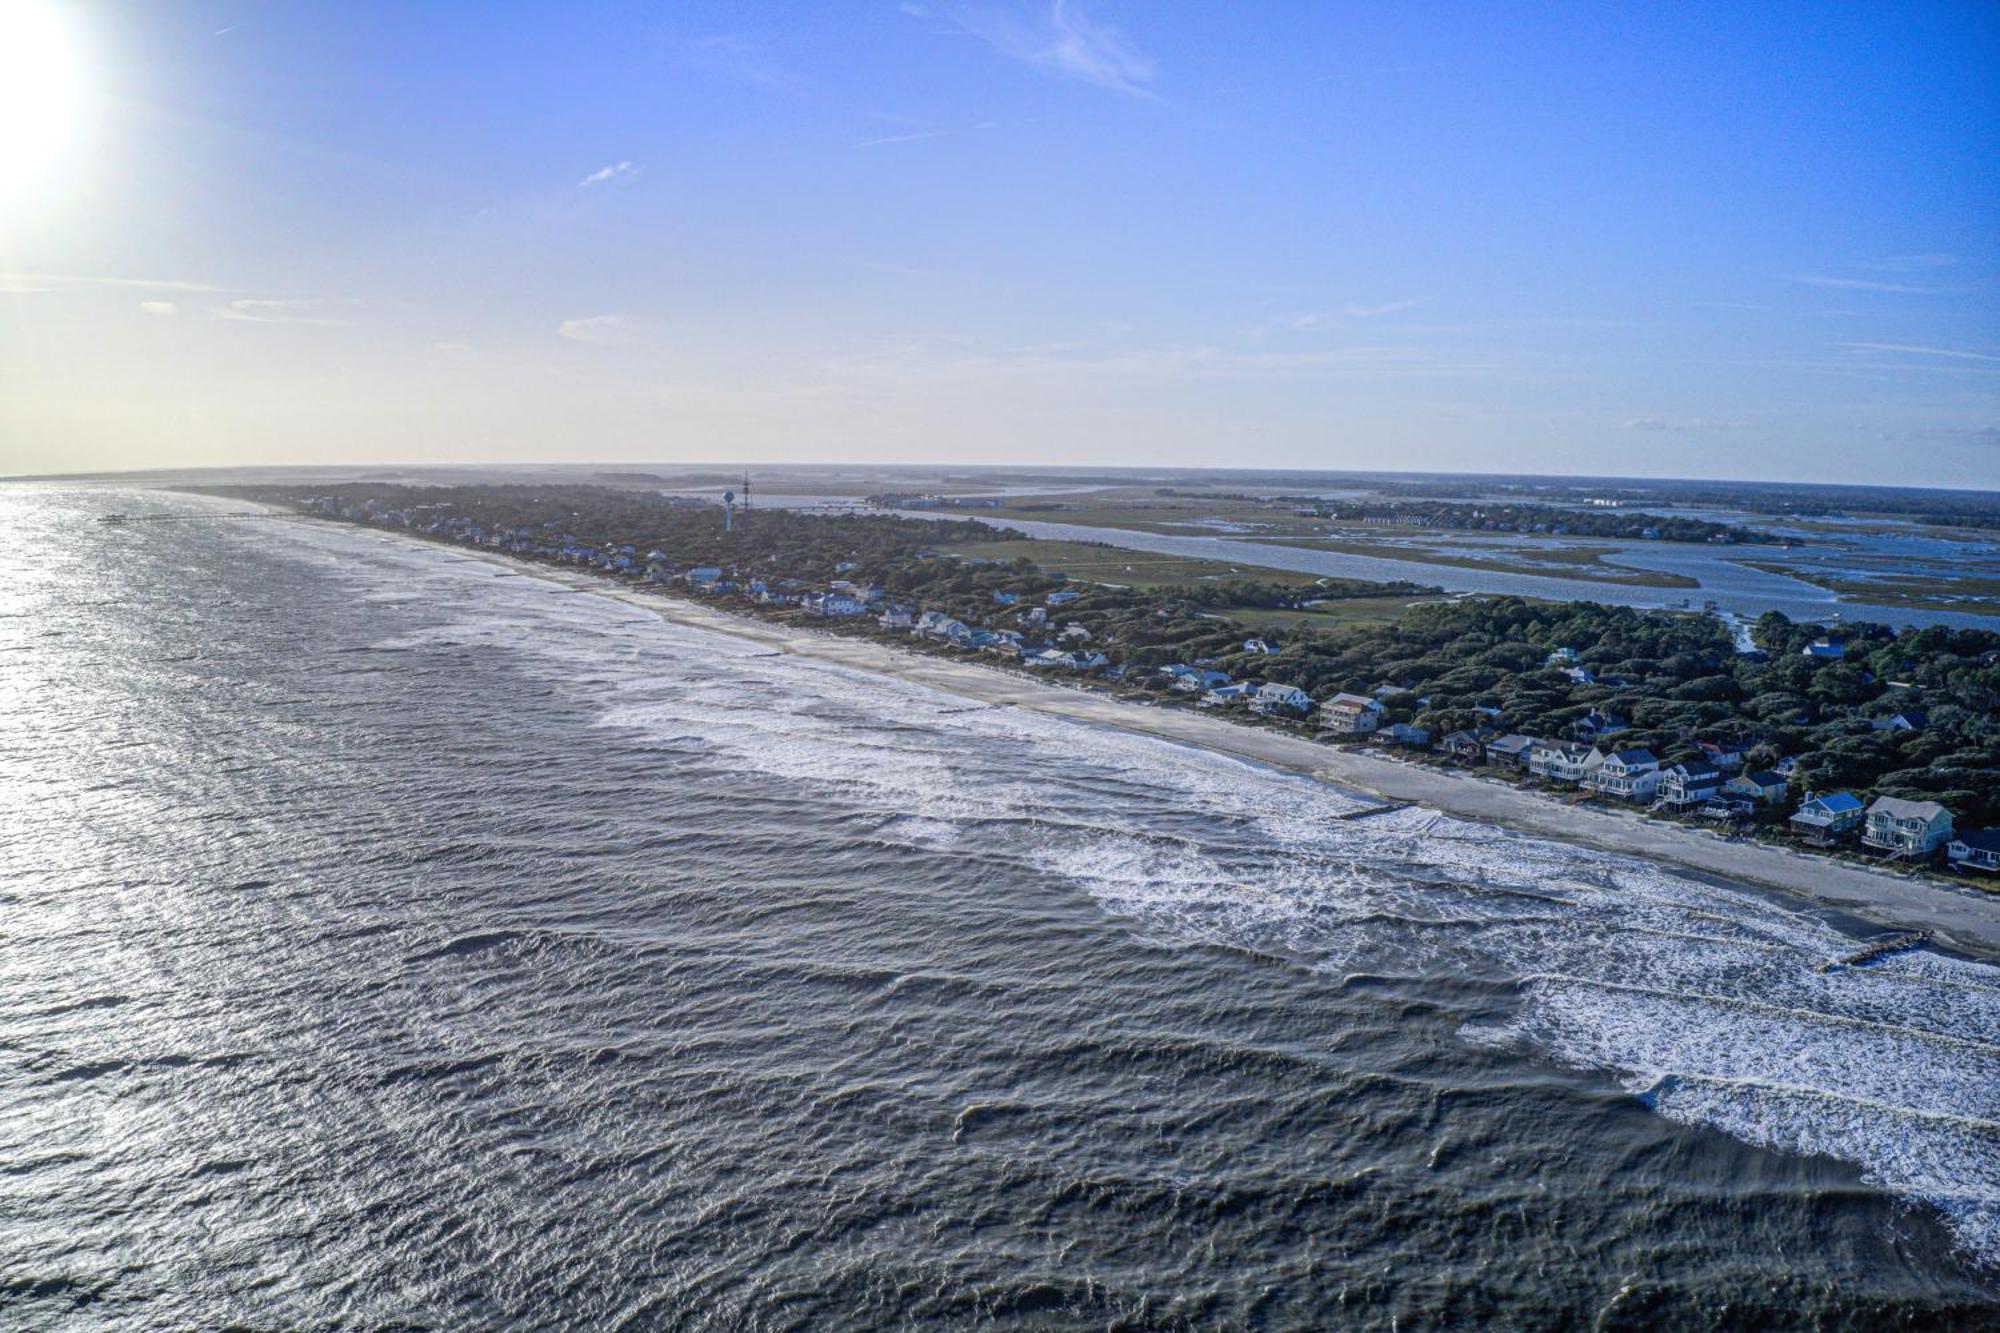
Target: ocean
396,939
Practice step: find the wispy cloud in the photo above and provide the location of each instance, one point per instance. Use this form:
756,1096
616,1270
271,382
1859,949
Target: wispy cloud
1376,311
1687,425
65,282
1863,284
1062,40
1321,321
917,137
599,329
617,171
294,310
1908,349
159,308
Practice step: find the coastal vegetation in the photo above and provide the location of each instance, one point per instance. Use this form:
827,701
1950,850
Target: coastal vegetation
1863,708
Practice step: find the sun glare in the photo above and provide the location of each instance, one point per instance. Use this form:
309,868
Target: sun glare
38,91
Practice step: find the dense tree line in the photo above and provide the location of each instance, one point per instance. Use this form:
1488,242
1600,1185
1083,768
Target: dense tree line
1467,663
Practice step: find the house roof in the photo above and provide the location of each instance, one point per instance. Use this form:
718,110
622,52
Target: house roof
1897,808
1351,701
1836,803
1764,778
1696,772
1512,743
1985,840
1639,756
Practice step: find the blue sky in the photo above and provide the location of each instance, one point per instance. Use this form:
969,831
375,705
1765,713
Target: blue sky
1714,240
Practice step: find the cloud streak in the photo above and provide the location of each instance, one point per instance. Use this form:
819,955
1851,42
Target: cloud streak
1863,284
298,310
1064,41
1909,349
20,283
598,330
617,171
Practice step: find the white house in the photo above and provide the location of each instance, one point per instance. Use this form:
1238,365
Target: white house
1559,761
897,617
1259,646
1352,714
1272,697
938,625
1630,775
1225,694
1686,785
1907,828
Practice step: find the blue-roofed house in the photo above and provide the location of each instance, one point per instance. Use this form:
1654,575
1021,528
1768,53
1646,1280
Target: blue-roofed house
1826,817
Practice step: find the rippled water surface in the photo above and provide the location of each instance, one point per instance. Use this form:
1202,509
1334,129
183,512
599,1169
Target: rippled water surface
390,937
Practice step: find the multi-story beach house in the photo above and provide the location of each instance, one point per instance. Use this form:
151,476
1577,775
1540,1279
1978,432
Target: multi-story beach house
1828,817
1558,761
1686,785
1350,714
1975,851
1630,775
1906,828
1272,697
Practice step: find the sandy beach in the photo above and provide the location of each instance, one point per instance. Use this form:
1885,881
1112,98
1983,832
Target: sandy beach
1966,918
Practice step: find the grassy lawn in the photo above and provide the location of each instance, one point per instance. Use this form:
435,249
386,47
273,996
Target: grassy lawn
1346,611
1575,563
1133,569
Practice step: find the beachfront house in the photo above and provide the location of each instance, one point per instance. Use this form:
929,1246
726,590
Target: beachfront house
896,617
704,578
1406,733
1509,751
1272,697
1350,714
1829,817
1629,775
938,625
1226,694
1558,761
1463,745
1763,787
834,604
1974,851
1906,828
1687,785
1080,660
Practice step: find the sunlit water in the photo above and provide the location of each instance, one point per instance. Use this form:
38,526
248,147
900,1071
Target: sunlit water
389,937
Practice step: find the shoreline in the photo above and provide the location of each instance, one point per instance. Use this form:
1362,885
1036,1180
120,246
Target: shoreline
1967,920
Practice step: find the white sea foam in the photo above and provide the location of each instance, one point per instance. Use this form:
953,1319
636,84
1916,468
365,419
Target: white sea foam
1707,1000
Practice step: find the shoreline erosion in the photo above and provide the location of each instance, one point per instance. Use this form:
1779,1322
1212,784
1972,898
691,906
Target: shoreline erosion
1964,919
